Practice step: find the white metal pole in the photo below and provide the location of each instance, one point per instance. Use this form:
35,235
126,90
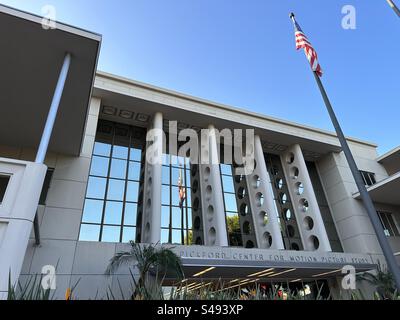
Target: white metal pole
51,117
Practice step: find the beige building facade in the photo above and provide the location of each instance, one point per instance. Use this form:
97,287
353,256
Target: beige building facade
297,213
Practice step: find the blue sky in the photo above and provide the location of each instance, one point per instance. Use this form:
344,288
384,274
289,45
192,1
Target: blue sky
241,53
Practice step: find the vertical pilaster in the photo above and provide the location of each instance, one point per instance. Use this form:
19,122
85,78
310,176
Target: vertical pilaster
151,214
214,224
305,205
263,209
197,212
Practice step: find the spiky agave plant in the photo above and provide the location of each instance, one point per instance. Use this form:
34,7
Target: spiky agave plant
148,259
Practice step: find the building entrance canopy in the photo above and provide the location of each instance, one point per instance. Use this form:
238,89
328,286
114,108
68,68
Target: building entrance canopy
228,263
32,57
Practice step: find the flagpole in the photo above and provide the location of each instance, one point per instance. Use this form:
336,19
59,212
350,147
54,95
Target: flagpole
394,7
366,199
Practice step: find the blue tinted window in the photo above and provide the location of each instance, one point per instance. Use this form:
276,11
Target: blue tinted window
92,211
96,188
99,166
89,232
102,149
110,234
110,209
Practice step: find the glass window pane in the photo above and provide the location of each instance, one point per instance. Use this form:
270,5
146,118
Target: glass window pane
102,149
189,219
99,166
120,152
188,201
175,176
393,225
176,236
113,212
110,234
116,189
187,178
176,217
136,154
165,159
92,211
133,191
128,234
227,184
89,232
130,214
230,202
165,195
134,171
165,216
118,169
164,236
226,169
165,175
175,196
96,188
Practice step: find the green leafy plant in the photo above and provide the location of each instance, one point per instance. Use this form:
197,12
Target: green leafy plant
383,280
153,262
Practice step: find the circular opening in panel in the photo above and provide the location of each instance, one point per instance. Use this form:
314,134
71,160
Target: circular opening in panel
239,178
294,172
283,198
303,204
197,223
299,188
313,242
212,235
194,169
274,170
259,199
241,192
196,203
210,212
295,246
287,213
195,186
207,172
264,218
208,192
246,228
290,158
147,228
308,223
279,183
256,181
268,239
244,209
148,204
249,244
291,231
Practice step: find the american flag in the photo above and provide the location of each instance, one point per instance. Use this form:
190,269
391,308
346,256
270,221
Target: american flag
302,42
181,189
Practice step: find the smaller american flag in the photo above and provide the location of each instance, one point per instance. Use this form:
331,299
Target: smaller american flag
302,42
182,190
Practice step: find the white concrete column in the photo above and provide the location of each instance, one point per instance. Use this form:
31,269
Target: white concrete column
261,196
305,205
151,219
214,223
17,211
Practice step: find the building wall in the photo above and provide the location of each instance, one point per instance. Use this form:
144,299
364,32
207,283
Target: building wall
352,222
60,220
85,262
